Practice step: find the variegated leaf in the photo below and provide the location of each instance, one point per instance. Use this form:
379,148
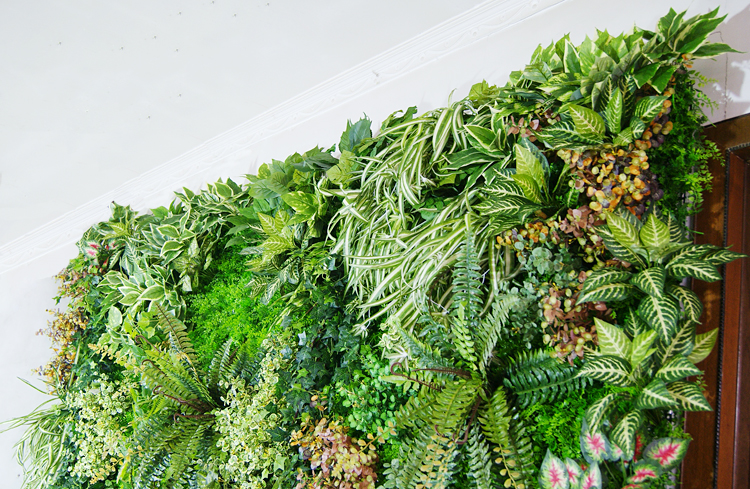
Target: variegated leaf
574,472
690,302
682,343
607,368
678,367
623,434
654,395
688,396
591,478
648,107
634,325
661,314
509,204
722,256
612,340
702,270
676,231
587,122
613,112
654,233
651,280
704,343
553,474
645,471
599,409
622,252
605,276
529,186
527,163
594,445
695,251
625,233
641,349
616,453
607,293
667,452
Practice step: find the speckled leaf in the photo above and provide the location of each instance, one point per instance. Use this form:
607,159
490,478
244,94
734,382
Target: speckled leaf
667,452
690,302
654,233
553,473
678,367
661,314
623,434
612,340
689,396
607,368
605,276
651,280
654,395
704,343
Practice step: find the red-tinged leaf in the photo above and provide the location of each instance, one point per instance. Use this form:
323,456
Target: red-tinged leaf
592,478
594,445
667,452
644,471
553,474
574,471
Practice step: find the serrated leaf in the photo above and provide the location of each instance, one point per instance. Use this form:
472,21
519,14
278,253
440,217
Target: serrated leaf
661,314
651,280
608,293
552,473
702,270
644,471
623,434
676,368
529,186
587,122
594,445
648,107
704,343
690,302
641,348
654,233
607,368
613,112
599,409
688,396
654,395
667,452
612,340
605,276
625,233
591,478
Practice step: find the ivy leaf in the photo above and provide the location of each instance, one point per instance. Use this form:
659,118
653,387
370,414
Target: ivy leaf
702,270
704,343
623,434
612,340
552,473
608,368
607,293
654,395
605,276
625,233
641,348
688,396
587,122
667,452
654,233
691,303
678,367
613,112
651,280
661,314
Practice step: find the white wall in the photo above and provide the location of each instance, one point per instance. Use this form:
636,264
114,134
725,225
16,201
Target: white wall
116,142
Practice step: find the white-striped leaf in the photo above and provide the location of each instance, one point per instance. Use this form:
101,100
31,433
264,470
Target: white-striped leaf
612,340
527,163
654,395
529,186
722,256
651,280
694,251
608,293
509,204
688,396
681,344
553,474
613,112
648,107
676,368
634,325
641,349
654,233
661,314
620,251
599,409
607,368
702,270
503,186
625,233
676,232
481,137
587,122
690,302
704,343
623,434
605,276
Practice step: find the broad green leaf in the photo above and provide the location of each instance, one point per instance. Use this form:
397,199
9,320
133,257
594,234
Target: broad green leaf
702,270
305,205
678,367
676,229
661,314
169,230
596,413
527,163
651,280
667,452
655,395
654,234
171,245
694,251
643,75
641,349
688,396
661,79
153,293
612,340
354,134
587,122
704,343
343,171
613,112
713,49
114,317
552,473
571,62
607,368
529,186
623,434
608,293
224,190
277,243
625,233
690,302
624,253
605,276
268,223
483,136
130,298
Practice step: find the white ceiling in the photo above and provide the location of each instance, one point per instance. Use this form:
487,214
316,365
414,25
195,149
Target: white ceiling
95,93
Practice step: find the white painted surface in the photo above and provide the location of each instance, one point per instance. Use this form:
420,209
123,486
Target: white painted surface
60,164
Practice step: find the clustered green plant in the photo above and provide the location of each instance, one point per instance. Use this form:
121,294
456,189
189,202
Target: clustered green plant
493,292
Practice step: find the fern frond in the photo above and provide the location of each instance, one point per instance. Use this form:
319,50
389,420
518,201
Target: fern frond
480,459
492,327
425,461
452,405
220,363
246,366
466,307
536,378
177,332
415,412
424,355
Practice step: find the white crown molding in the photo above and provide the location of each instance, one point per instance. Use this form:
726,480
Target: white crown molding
148,189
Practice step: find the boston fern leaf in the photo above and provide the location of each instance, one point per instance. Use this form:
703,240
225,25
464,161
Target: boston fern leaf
177,332
536,378
426,457
480,459
467,298
492,327
453,404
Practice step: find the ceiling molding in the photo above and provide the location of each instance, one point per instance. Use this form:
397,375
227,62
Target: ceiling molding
196,166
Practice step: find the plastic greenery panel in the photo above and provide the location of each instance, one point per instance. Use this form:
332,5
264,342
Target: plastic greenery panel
490,294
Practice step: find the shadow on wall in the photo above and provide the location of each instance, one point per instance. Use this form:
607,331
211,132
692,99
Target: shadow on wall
731,71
